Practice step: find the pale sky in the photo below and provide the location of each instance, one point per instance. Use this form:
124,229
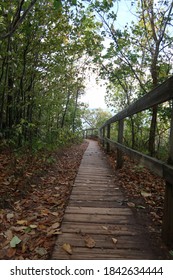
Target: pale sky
95,93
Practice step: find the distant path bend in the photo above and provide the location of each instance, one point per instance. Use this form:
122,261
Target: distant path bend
96,217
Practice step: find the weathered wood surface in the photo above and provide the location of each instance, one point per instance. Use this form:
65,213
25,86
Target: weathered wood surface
97,209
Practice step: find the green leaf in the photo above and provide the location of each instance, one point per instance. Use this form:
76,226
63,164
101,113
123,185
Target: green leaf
74,2
140,206
171,252
41,251
15,241
57,4
28,229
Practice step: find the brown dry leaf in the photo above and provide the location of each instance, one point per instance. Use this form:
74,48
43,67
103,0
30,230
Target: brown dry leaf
105,228
22,222
33,226
42,227
8,234
89,242
11,252
114,240
55,214
24,248
53,232
55,225
131,204
21,228
6,183
145,194
45,212
67,247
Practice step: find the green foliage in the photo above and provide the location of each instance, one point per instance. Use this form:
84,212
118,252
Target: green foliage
136,59
57,4
94,118
41,75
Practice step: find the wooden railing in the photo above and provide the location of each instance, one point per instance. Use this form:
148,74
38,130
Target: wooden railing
159,95
90,133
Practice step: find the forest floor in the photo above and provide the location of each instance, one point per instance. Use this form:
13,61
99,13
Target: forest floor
35,191
144,194
33,195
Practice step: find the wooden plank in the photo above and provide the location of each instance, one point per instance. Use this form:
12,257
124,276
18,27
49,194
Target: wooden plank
105,244
103,211
101,241
96,218
105,254
94,197
102,228
110,204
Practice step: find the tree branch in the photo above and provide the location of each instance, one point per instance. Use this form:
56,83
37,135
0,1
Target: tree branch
19,19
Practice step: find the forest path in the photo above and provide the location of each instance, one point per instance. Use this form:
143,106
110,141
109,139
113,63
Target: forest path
97,224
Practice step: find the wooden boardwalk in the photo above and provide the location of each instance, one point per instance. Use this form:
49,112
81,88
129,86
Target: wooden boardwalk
97,218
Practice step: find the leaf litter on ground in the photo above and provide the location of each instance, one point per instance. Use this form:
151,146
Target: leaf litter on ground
145,196
32,205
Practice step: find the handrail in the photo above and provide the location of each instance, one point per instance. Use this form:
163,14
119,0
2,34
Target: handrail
158,95
86,131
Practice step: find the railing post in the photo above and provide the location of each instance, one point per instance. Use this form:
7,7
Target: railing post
120,140
103,136
108,136
167,227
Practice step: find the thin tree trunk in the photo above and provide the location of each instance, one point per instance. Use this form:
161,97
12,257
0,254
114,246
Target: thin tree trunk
65,111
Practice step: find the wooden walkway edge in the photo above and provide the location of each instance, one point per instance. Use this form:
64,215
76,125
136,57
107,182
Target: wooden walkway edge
95,217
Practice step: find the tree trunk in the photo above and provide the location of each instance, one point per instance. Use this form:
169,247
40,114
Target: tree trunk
153,128
65,111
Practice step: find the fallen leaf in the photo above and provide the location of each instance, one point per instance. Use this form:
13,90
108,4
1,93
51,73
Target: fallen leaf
33,226
6,183
131,204
89,241
105,228
41,251
171,252
22,222
11,252
42,227
114,240
21,228
56,225
54,232
145,194
45,212
8,234
10,216
24,248
55,214
15,241
140,206
67,247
